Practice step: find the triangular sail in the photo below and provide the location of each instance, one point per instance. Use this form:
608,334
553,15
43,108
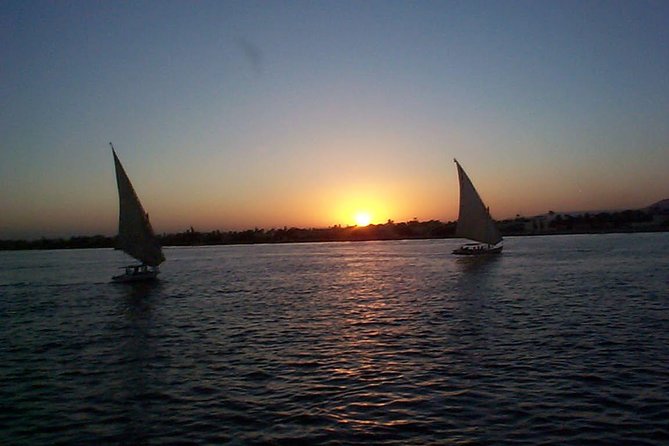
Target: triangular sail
474,221
135,235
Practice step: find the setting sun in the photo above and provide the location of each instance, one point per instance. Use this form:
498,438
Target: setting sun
360,206
363,219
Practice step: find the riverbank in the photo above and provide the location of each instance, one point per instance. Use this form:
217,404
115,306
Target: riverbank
549,224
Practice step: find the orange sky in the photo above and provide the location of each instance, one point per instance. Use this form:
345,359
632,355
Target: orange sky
234,115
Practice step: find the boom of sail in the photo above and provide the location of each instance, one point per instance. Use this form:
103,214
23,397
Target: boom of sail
135,234
474,221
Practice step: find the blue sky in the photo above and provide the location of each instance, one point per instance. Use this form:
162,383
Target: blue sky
229,115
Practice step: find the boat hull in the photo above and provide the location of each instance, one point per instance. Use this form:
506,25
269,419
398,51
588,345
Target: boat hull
137,274
477,250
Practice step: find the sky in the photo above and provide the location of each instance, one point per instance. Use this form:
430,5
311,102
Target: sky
238,114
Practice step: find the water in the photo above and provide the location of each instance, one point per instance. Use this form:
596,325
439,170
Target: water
559,340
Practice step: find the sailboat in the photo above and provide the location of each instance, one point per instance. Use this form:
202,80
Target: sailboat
135,234
474,221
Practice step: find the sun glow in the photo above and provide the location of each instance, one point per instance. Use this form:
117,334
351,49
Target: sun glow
358,207
363,218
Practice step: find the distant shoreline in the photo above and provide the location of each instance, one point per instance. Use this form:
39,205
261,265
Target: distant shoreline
66,245
550,224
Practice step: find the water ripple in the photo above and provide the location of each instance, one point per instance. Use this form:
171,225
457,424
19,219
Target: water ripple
558,341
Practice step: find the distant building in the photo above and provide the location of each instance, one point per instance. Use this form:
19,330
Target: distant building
535,224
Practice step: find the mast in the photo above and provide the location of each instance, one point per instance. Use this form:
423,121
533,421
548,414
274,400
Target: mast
135,234
474,221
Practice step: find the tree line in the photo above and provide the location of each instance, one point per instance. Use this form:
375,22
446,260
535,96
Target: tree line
624,221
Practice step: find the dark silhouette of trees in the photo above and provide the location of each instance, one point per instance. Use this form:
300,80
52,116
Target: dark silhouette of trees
624,221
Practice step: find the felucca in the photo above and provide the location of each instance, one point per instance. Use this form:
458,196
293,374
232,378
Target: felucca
135,234
474,221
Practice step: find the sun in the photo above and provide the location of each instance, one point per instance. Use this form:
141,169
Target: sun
363,218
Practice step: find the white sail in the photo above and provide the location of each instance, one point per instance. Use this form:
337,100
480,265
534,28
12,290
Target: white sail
135,235
474,221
